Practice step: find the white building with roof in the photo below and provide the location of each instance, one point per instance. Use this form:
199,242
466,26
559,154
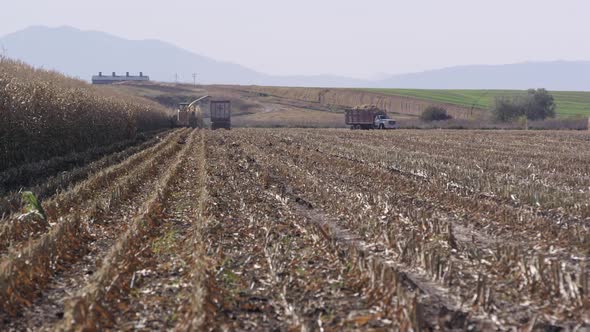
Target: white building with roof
114,78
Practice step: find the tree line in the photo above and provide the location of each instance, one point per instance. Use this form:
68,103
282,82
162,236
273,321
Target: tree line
534,104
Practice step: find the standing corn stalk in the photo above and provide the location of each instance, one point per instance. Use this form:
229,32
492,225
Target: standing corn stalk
45,114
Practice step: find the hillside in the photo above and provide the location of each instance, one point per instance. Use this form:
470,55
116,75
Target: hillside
395,104
569,103
553,75
263,106
98,51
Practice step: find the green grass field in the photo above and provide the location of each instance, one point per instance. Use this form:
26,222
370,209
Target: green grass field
569,103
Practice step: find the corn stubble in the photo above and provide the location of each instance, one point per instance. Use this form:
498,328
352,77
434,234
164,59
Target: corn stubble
327,230
90,308
28,264
476,247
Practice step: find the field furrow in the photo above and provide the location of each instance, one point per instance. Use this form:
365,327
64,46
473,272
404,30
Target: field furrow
98,193
45,177
164,290
94,305
72,244
11,202
191,312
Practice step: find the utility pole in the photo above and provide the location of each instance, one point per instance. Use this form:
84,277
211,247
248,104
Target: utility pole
176,78
195,79
3,54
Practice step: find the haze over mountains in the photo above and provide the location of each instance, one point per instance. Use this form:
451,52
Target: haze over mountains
84,53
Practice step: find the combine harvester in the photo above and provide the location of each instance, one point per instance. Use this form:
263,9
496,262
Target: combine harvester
191,114
368,117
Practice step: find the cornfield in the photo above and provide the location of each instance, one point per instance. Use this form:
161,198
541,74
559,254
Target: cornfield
307,229
45,114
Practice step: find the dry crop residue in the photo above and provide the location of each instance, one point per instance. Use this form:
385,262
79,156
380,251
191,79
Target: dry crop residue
260,229
440,218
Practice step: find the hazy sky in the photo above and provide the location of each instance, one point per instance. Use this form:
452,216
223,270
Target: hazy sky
356,38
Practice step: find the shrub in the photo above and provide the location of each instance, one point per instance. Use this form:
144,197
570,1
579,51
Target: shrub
507,109
533,105
540,105
435,113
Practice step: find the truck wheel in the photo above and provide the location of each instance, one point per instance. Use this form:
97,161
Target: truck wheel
381,126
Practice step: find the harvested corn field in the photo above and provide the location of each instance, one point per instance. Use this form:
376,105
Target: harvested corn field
292,229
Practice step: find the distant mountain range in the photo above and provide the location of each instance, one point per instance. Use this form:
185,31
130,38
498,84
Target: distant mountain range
84,53
555,75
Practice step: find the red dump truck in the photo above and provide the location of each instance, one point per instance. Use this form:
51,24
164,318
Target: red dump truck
368,117
220,114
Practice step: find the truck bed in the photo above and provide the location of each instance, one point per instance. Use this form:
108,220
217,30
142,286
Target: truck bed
363,117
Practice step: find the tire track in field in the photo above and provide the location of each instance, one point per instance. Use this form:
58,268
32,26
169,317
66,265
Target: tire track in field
162,290
96,305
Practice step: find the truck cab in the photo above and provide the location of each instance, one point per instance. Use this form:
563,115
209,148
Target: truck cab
383,121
